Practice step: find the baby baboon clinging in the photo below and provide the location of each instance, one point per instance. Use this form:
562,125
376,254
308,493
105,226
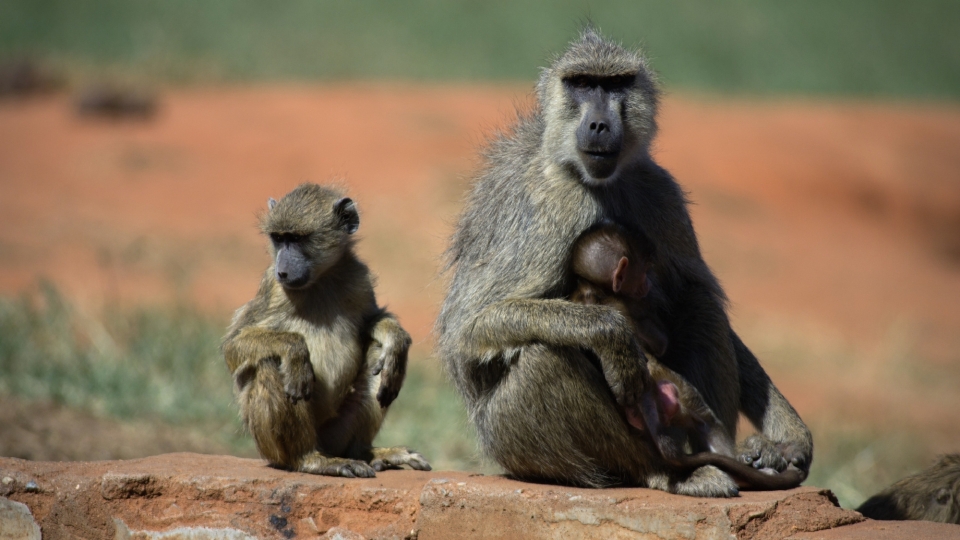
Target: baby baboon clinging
545,379
930,495
308,351
612,270
609,263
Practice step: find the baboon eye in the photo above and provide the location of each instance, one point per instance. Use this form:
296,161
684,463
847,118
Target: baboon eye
582,82
620,82
287,238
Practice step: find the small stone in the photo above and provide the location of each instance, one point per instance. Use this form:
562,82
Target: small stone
31,487
7,480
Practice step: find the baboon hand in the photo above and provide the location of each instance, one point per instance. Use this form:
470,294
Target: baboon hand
391,365
298,377
761,453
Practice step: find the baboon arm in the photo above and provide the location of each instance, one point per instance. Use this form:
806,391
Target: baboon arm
518,322
766,408
387,356
253,344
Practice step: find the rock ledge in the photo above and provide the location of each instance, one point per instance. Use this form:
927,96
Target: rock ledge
194,496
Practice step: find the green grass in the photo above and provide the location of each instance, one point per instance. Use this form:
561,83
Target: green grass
855,462
149,363
842,47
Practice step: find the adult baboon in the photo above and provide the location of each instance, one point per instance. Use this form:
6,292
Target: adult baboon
308,350
546,380
932,494
611,269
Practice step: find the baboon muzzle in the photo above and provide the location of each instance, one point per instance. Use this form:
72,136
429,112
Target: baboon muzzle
600,137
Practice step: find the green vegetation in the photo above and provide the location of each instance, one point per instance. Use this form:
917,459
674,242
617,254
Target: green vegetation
855,462
845,47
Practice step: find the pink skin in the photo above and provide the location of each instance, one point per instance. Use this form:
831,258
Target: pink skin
667,404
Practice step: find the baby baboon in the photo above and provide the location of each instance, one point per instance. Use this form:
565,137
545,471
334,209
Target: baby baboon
308,351
545,380
612,270
610,264
930,495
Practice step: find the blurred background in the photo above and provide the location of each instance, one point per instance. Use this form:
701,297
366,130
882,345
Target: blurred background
819,142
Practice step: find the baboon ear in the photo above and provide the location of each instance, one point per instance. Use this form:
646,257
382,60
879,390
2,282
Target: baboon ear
620,274
271,202
347,216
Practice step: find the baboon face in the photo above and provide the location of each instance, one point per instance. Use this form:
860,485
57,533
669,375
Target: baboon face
309,231
598,102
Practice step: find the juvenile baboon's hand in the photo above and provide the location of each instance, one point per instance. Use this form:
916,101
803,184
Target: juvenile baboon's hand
390,363
297,371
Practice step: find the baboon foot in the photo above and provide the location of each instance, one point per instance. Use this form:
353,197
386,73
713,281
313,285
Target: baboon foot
707,481
761,453
317,463
397,456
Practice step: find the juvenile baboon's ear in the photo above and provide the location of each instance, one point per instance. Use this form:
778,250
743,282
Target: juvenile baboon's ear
347,216
271,202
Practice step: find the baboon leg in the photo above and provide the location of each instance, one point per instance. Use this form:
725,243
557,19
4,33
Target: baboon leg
394,457
785,440
526,426
282,429
350,433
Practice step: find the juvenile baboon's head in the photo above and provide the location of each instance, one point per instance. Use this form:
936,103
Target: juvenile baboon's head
609,258
599,102
309,231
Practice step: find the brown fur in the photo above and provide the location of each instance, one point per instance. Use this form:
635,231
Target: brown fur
930,495
611,271
546,380
306,359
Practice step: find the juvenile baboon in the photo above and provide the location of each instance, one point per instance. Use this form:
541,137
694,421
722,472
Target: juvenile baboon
545,380
930,495
308,351
612,270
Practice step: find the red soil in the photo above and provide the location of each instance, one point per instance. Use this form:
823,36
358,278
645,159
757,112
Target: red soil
835,226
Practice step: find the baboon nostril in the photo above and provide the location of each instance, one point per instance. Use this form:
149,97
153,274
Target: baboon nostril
282,275
593,125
